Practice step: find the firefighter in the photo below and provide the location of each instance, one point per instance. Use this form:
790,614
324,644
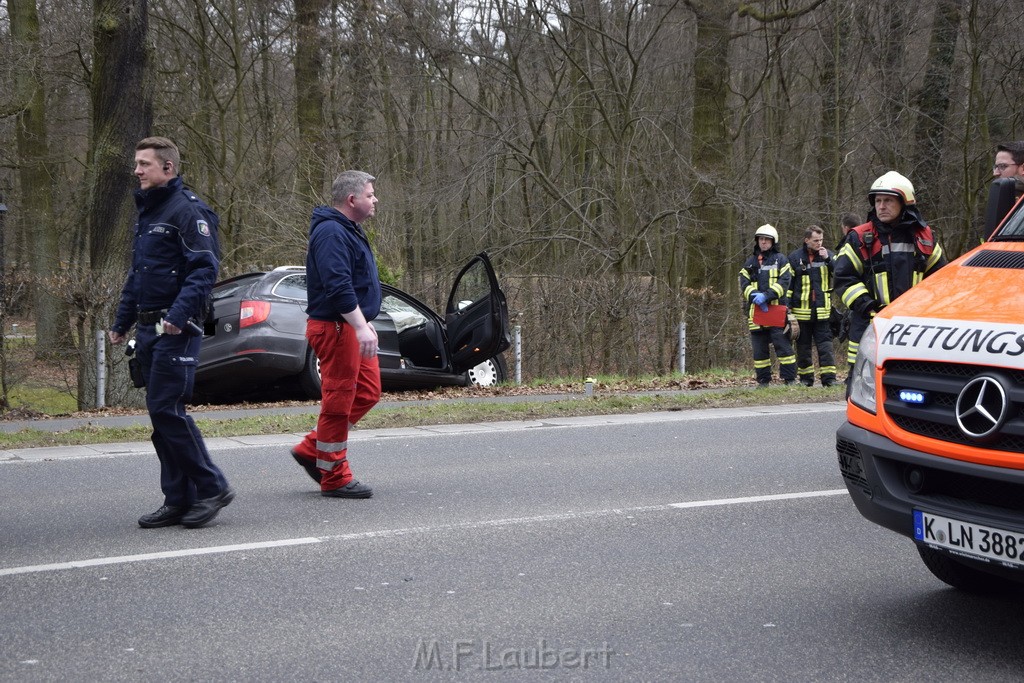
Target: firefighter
810,299
847,222
886,256
764,280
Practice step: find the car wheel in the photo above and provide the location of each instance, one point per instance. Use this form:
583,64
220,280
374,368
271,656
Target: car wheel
487,374
309,379
962,576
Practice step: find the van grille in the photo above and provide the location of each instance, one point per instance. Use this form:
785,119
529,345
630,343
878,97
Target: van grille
942,382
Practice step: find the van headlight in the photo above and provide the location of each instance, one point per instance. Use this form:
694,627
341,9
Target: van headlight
862,383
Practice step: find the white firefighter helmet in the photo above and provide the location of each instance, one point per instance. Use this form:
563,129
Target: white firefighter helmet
767,230
892,183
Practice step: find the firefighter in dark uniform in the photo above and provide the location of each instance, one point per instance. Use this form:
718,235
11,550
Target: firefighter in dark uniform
174,266
810,300
764,279
886,256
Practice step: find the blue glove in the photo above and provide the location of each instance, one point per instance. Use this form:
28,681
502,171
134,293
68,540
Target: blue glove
760,299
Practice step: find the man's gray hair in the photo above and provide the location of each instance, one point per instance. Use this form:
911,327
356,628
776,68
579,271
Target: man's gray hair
349,183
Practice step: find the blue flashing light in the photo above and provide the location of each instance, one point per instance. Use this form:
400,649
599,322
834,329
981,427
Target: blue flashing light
913,396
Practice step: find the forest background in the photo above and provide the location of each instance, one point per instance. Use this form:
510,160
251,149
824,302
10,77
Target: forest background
612,156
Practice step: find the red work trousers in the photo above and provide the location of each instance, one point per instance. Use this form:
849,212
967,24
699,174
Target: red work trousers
350,386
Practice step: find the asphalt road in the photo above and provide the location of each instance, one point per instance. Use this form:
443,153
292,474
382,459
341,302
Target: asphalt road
712,545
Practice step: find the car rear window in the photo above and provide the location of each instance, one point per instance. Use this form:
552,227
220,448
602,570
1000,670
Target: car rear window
228,288
291,287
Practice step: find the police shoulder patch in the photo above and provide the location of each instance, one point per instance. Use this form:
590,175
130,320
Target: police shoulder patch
203,227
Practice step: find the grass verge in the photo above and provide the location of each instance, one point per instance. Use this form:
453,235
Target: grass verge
444,412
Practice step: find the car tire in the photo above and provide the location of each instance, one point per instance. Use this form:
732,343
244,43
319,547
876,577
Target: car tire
492,371
309,378
962,576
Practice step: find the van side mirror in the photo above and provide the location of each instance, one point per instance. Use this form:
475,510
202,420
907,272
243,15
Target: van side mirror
1002,195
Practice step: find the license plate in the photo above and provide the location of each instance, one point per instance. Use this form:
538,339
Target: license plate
971,540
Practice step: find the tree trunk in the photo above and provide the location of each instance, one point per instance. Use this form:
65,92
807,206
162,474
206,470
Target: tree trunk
309,93
836,104
712,150
53,334
122,114
933,98
891,67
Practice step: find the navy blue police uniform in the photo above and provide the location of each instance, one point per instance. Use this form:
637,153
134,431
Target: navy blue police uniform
174,266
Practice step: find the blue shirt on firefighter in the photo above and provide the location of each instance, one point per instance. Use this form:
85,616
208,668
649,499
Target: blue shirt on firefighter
341,271
175,256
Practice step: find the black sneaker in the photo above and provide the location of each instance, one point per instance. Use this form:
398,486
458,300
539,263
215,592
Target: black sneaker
168,515
353,489
203,511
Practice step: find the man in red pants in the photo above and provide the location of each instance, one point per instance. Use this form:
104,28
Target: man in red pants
343,291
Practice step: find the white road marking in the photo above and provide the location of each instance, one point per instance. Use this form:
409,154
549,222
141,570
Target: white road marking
758,499
146,557
393,533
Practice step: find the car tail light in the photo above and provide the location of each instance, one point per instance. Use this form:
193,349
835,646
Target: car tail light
252,313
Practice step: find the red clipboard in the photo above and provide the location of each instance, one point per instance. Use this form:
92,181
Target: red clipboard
775,316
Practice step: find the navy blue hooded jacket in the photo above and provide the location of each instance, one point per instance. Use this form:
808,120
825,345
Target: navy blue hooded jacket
174,256
341,272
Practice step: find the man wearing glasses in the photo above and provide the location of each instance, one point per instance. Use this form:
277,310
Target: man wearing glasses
1009,160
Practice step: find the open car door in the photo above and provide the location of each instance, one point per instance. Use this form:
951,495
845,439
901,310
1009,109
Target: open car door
476,316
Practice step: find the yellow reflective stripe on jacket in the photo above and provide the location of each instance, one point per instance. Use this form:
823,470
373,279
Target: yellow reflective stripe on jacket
854,292
934,259
854,255
882,288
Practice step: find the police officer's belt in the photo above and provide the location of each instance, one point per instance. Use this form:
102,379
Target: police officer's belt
151,317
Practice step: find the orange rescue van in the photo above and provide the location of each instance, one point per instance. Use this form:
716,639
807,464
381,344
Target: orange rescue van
933,445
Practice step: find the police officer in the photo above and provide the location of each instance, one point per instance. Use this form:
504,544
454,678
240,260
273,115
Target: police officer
886,256
174,266
764,280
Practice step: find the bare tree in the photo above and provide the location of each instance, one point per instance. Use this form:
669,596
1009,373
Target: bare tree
932,98
52,331
309,90
121,115
836,73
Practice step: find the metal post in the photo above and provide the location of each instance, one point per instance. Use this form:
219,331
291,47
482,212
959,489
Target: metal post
518,346
682,348
101,370
3,309
3,267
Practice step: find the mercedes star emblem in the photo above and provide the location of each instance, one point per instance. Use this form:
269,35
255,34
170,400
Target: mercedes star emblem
981,407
